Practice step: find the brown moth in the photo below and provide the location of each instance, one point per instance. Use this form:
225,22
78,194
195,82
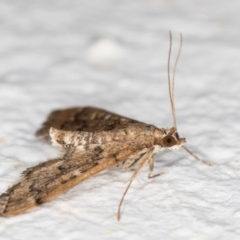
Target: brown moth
91,140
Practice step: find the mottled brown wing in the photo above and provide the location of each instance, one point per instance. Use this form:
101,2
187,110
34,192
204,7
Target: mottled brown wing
89,119
49,179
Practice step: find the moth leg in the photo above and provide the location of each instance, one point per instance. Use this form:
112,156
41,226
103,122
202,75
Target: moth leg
151,167
121,201
197,158
143,160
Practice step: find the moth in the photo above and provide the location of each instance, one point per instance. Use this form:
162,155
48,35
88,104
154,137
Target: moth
91,140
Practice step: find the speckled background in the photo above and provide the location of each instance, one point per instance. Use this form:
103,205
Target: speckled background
113,54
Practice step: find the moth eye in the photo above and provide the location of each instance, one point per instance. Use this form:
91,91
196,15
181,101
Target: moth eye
169,141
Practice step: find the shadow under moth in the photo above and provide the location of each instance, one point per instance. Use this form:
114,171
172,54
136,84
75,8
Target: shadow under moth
91,140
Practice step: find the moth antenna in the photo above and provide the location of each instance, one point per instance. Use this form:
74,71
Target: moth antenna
171,82
172,98
197,158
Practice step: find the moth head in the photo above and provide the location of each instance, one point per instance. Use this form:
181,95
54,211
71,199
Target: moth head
172,140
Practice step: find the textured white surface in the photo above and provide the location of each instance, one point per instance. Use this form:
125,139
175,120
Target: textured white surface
54,54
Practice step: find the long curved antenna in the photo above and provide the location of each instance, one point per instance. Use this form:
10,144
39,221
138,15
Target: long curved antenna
171,92
171,82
